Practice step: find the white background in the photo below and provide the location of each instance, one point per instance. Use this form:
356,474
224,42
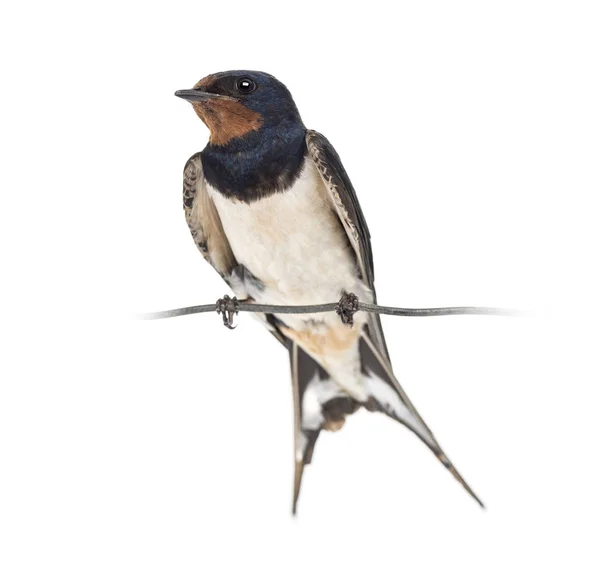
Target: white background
471,133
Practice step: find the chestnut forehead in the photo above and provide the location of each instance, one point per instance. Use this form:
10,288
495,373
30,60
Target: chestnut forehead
207,82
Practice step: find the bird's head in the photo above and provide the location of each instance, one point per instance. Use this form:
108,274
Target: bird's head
235,104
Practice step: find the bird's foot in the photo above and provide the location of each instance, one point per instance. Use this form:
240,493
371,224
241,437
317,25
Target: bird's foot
228,307
347,307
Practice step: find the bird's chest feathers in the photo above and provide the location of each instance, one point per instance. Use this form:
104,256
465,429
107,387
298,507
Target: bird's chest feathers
291,241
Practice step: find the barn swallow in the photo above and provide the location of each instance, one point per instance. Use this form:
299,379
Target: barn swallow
272,209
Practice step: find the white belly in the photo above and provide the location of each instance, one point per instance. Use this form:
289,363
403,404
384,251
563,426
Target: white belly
294,243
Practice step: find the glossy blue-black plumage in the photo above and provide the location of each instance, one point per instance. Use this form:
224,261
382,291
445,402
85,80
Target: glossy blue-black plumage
263,161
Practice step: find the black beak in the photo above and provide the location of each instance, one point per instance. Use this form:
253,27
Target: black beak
194,95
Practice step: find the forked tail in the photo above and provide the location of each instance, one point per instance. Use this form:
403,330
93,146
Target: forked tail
319,403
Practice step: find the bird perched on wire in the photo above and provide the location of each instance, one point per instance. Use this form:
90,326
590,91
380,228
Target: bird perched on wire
271,208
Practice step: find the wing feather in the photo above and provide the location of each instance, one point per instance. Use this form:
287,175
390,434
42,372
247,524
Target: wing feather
345,202
207,231
203,219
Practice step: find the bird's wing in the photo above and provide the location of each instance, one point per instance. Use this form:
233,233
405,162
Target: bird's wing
344,200
207,231
386,394
204,221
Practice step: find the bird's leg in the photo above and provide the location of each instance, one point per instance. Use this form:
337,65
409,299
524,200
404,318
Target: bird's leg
228,307
347,307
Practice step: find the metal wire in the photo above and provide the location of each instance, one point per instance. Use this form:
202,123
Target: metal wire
319,308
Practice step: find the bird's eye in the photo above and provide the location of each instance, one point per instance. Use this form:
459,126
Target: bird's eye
245,85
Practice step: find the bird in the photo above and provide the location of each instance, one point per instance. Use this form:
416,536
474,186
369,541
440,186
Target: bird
272,209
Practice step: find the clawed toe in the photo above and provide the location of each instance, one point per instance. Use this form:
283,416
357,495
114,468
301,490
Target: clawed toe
228,307
347,307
